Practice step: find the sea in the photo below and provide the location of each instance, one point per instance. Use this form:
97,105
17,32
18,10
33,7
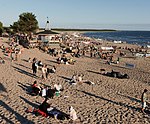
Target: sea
141,38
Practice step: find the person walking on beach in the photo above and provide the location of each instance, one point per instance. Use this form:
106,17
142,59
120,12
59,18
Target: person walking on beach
144,100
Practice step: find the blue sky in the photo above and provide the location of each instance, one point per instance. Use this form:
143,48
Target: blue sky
110,14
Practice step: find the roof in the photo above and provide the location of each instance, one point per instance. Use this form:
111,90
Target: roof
47,32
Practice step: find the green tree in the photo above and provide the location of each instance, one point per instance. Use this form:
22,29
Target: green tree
15,27
1,28
27,23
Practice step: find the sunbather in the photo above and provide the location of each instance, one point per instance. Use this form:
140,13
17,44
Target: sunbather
116,74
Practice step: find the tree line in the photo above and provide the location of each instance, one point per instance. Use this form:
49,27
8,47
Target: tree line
26,23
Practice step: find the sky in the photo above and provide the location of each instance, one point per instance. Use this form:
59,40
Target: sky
94,14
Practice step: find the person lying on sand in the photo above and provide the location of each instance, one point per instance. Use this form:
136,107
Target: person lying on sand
57,114
78,79
114,74
48,110
71,61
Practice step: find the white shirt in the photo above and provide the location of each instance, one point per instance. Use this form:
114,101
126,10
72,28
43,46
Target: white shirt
58,87
79,78
44,92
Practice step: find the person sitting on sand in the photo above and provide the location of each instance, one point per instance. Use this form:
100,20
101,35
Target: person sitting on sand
64,59
2,47
80,80
58,87
2,61
118,60
44,106
50,93
35,88
73,114
29,60
59,60
40,63
73,79
80,77
44,91
71,61
53,70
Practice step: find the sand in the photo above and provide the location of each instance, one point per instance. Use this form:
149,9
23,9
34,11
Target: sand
110,100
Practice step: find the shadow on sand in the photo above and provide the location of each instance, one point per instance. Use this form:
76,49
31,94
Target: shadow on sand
93,72
131,98
52,61
23,66
24,60
2,88
26,88
30,103
24,72
19,117
114,102
66,78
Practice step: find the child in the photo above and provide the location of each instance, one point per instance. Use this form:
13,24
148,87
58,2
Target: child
144,100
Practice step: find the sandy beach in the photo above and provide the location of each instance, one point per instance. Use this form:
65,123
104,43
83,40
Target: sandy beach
109,101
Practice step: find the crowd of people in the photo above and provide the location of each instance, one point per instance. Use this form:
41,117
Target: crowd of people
12,50
46,91
50,92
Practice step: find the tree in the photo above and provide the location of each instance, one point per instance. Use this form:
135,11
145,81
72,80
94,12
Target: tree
1,28
15,27
27,23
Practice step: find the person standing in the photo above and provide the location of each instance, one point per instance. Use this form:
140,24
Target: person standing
34,68
144,100
44,71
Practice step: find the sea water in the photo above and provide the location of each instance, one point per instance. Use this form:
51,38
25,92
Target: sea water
141,38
